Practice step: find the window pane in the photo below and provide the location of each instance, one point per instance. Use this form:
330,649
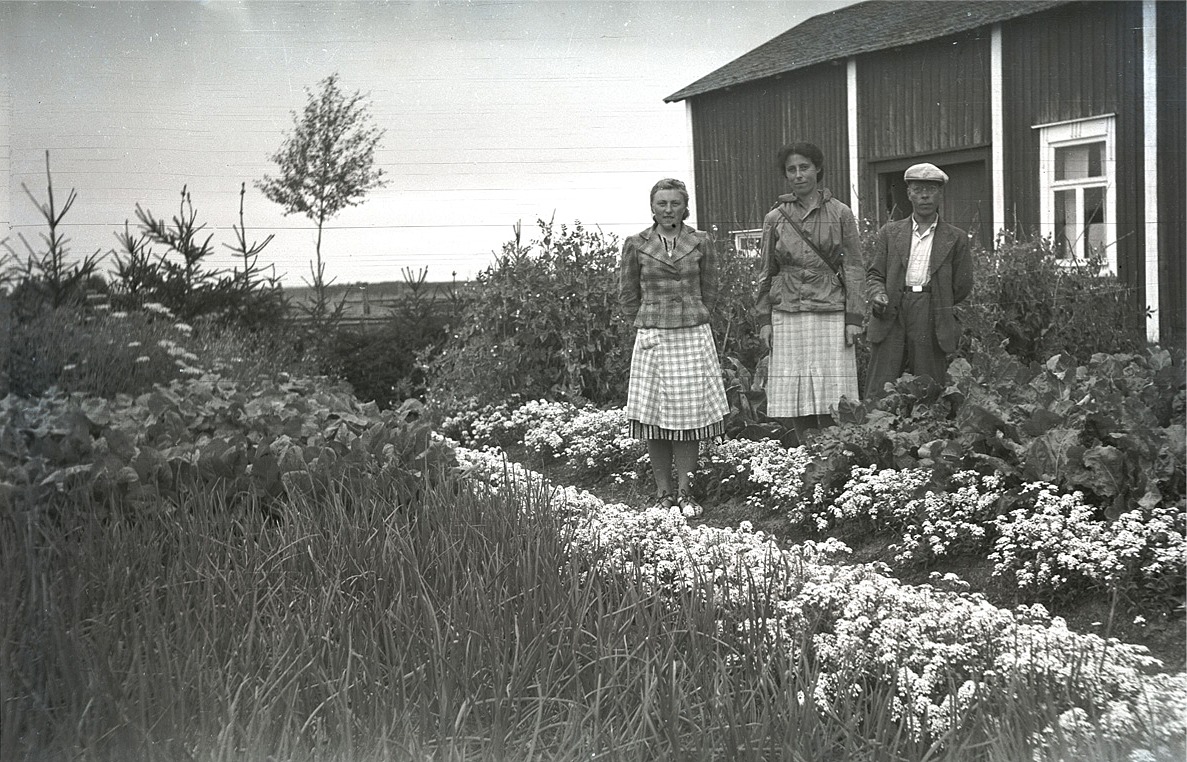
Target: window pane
1065,223
1094,220
1079,162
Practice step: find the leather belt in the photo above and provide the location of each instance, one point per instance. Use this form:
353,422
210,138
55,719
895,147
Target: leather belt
917,289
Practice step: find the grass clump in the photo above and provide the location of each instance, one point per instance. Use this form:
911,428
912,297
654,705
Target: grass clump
471,621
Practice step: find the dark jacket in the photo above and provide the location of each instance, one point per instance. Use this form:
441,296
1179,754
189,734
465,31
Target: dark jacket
656,291
950,277
794,278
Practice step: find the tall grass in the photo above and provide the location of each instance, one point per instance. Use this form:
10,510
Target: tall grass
451,624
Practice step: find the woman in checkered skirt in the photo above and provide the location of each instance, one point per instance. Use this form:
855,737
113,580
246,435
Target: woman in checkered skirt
810,295
667,285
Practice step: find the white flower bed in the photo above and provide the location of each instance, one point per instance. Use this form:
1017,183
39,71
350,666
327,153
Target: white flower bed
1047,545
938,651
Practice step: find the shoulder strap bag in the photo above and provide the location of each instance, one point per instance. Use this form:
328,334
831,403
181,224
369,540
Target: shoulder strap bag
832,260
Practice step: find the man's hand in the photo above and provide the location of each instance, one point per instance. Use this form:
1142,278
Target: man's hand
878,303
764,335
851,334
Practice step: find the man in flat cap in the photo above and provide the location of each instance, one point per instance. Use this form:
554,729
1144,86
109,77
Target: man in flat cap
920,269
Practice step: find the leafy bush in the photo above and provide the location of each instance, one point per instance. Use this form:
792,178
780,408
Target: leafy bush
544,322
97,352
386,365
540,323
734,321
1103,427
258,444
1040,306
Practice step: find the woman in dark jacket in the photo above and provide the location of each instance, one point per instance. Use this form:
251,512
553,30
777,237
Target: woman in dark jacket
667,285
810,296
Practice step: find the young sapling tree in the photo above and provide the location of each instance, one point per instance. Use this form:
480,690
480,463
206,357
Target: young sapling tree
326,164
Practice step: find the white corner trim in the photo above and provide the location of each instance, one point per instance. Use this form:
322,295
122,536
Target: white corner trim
854,171
690,172
997,130
1150,160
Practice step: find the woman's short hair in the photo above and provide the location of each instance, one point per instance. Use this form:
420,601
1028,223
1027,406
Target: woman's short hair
669,183
809,151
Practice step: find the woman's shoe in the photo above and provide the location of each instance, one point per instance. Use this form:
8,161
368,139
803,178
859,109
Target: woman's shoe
665,502
689,507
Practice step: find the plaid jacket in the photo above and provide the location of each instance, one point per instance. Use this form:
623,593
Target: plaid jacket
656,291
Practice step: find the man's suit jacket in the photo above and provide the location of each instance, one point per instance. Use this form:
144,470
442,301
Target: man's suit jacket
951,277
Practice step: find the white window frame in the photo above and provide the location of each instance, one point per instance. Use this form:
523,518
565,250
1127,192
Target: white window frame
1071,133
748,242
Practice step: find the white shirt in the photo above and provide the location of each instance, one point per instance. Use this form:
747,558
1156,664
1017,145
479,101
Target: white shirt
918,265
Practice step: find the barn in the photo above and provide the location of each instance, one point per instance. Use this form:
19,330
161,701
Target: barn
1051,117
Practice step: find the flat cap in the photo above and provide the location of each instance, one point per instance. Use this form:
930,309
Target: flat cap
928,173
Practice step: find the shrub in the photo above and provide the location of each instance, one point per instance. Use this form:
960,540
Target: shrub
1039,306
540,323
385,364
47,276
105,353
179,278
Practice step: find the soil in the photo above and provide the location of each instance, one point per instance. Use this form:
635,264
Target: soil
1164,634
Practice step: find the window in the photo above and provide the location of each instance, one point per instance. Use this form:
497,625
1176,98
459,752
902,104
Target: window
1077,180
748,243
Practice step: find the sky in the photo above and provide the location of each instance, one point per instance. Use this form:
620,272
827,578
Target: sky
495,113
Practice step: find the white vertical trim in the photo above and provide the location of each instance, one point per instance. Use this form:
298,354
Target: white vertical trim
854,173
997,130
1150,160
690,172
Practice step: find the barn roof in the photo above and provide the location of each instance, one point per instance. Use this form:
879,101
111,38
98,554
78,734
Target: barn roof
861,28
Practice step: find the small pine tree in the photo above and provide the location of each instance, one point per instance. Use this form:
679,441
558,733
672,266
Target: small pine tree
326,164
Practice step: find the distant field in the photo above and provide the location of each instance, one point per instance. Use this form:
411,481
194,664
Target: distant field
372,300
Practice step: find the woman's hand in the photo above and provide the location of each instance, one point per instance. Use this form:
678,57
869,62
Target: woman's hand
851,334
764,335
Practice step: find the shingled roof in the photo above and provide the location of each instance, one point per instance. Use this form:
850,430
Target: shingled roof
861,28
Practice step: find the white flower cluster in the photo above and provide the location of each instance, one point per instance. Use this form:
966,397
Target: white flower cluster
595,441
1052,543
504,424
933,524
768,474
1163,705
1055,543
185,360
1043,546
950,523
936,651
883,499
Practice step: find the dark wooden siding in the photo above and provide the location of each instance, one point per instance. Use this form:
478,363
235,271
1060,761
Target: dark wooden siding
919,101
738,132
928,98
1172,171
1075,62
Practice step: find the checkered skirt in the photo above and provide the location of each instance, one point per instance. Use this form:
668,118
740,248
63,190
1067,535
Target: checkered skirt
811,366
675,389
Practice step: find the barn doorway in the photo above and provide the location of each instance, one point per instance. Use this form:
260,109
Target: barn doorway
968,203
